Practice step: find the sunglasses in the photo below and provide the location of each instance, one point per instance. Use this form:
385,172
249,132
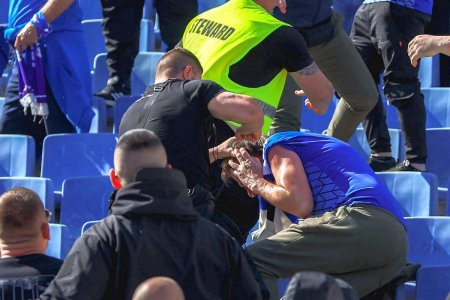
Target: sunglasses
48,214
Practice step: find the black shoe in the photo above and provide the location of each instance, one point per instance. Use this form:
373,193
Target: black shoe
381,163
404,166
113,91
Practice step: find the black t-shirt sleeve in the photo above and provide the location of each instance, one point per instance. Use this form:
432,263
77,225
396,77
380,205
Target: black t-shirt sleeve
291,52
285,48
202,91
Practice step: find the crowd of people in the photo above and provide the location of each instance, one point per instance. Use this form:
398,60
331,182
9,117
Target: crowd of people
213,147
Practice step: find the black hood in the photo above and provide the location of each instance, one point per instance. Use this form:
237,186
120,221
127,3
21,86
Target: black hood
159,191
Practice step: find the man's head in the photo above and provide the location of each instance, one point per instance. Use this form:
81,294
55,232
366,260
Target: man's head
137,149
178,63
24,225
159,288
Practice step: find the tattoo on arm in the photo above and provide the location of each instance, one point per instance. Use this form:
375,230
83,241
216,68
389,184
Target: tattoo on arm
309,70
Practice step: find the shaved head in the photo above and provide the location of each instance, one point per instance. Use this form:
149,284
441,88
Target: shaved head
174,61
159,288
21,215
138,149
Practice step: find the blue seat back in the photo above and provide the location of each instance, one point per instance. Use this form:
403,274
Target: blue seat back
147,36
41,186
77,155
58,246
437,103
17,155
429,240
84,199
95,42
122,105
99,121
2,102
91,9
433,282
144,71
437,107
429,74
415,192
438,160
359,142
314,122
142,75
4,8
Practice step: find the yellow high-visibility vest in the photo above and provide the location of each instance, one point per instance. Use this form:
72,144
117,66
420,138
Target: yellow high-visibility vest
222,36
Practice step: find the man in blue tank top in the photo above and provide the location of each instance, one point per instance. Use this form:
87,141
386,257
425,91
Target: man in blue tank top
352,228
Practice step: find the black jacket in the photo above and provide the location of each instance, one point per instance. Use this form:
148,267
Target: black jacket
154,231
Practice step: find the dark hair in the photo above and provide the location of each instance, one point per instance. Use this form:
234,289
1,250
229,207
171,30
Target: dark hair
19,208
253,148
176,60
137,139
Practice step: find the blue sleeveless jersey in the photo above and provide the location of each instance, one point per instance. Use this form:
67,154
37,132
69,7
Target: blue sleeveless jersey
337,174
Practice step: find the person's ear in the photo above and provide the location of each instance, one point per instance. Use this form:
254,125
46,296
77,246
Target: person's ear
46,231
187,73
115,181
168,166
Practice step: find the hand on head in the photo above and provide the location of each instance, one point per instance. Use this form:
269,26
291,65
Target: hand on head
245,169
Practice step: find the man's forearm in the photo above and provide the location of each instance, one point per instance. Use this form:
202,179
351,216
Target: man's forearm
444,44
278,196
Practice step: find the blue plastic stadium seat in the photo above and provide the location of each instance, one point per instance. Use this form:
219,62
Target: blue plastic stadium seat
41,186
58,246
95,41
429,74
437,106
438,161
77,155
415,192
88,225
448,199
429,244
2,102
84,199
147,36
91,9
99,121
17,155
122,104
149,10
314,122
359,142
143,73
4,7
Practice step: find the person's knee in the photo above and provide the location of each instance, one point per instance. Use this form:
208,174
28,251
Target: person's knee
401,89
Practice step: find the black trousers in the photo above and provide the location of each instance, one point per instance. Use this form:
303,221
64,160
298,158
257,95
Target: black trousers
121,28
381,33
